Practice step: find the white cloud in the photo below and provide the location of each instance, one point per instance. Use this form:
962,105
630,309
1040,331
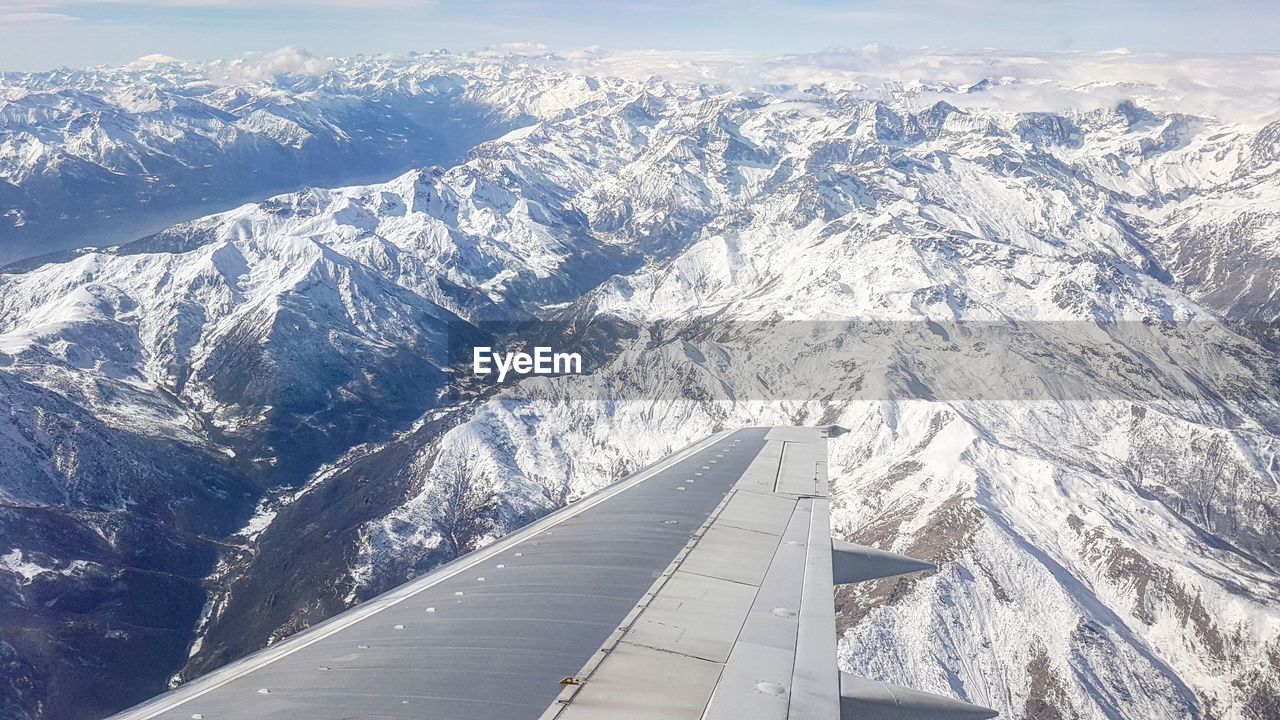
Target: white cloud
27,18
517,48
1236,88
151,60
1243,88
260,67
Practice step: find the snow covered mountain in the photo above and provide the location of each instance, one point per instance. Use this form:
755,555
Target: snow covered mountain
1088,454
1051,334
98,156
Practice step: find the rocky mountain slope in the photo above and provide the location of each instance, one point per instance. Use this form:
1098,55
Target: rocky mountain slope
98,156
1051,334
1088,454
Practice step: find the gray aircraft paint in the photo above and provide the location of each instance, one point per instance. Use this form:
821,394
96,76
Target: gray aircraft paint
700,587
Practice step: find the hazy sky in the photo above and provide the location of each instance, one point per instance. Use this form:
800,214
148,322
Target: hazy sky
49,33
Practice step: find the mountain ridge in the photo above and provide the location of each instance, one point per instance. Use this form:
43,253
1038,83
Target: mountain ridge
1015,312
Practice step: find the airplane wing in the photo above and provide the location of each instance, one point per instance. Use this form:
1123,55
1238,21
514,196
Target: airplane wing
699,587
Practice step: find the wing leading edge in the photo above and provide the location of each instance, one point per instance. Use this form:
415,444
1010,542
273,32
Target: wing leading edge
699,587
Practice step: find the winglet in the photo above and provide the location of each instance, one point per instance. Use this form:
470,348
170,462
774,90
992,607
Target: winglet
855,563
863,699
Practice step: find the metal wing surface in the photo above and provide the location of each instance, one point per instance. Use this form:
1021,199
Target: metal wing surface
699,587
